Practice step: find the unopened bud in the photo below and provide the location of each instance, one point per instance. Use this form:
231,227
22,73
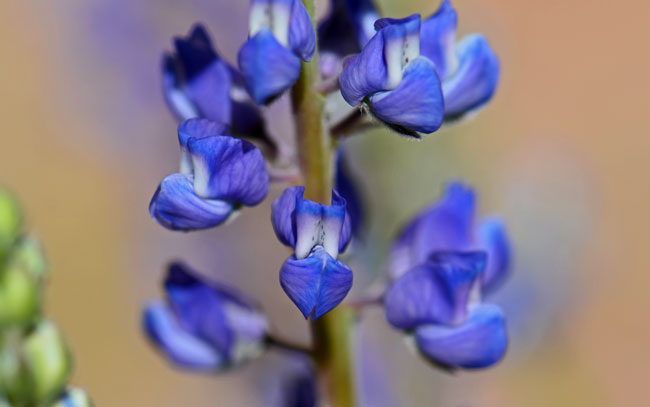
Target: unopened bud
35,368
20,297
28,256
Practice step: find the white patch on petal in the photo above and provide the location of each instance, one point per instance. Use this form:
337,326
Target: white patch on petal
399,53
309,233
331,235
182,105
186,166
201,177
273,16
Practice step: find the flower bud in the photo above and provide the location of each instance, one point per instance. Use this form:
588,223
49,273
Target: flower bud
20,297
10,222
29,257
34,368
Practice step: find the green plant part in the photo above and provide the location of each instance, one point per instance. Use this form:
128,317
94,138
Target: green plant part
35,368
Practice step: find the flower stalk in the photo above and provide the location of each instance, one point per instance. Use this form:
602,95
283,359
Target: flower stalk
332,333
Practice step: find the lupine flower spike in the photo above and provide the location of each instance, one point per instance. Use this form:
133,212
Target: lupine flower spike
35,361
410,75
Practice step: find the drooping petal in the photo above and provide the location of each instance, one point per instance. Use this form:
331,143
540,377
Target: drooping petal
434,292
228,168
494,240
182,348
197,128
268,67
326,225
479,342
302,37
195,80
474,81
317,283
219,314
176,206
437,38
199,308
417,102
446,225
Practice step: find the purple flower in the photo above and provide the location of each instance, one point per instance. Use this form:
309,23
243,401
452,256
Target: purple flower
398,85
197,82
437,302
218,174
469,69
281,34
312,278
449,225
204,326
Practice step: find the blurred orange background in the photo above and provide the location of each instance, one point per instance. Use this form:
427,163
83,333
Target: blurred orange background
561,154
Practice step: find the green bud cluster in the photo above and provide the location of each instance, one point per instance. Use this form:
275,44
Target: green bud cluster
35,362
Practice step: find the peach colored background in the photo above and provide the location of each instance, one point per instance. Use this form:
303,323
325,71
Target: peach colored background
561,154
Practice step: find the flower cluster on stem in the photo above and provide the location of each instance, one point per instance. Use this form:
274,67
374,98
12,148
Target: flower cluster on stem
352,70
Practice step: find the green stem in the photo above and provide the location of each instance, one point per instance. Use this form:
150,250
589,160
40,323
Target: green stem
332,332
314,144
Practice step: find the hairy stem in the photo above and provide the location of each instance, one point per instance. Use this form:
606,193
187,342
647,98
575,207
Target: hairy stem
332,332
